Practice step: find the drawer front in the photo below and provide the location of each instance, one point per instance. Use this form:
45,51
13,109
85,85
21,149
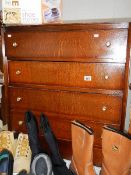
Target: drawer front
60,126
70,74
68,45
87,106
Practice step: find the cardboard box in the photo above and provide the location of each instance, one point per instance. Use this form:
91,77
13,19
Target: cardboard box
31,12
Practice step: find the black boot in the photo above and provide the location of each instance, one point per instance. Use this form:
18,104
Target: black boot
6,162
33,133
23,172
59,166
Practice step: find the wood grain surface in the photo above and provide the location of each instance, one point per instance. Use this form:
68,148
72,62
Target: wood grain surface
70,74
71,45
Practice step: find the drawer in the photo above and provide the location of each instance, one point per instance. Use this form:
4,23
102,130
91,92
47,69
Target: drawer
67,45
70,74
85,106
60,125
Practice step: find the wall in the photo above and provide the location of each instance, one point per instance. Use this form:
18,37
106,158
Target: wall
96,9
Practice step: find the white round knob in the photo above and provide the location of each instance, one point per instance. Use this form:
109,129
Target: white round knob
20,123
108,44
104,108
106,77
18,72
18,99
15,44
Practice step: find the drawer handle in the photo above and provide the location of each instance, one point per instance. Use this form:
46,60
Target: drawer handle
18,99
15,44
104,108
108,44
18,72
20,123
106,77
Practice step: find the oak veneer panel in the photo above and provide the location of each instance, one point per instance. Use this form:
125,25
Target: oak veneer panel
69,45
97,107
97,156
70,74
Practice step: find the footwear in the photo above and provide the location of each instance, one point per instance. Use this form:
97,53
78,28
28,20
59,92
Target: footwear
7,141
33,133
22,157
116,150
59,166
6,162
22,172
82,147
3,127
41,165
51,140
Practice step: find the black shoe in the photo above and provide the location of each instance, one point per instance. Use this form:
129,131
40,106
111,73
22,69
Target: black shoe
62,170
41,165
6,162
59,166
23,172
33,133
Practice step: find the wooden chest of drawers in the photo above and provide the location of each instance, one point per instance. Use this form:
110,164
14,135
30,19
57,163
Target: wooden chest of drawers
68,72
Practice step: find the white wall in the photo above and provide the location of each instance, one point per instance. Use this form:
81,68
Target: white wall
0,4
96,9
